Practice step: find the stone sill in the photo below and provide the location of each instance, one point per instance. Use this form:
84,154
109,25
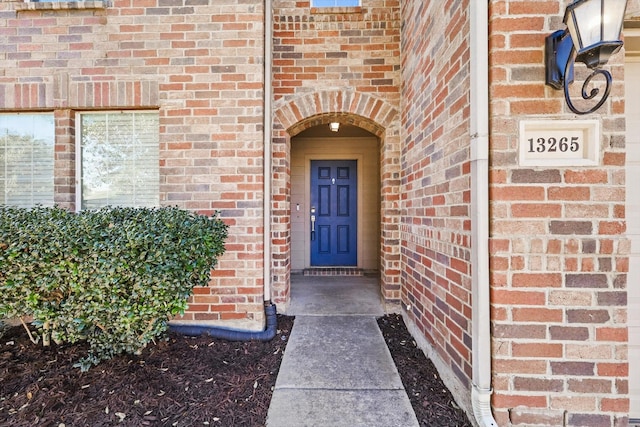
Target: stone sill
335,10
65,5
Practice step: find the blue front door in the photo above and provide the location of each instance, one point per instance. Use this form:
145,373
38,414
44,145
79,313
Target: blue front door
334,212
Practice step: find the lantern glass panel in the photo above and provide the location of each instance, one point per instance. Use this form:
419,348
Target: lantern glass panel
583,18
613,18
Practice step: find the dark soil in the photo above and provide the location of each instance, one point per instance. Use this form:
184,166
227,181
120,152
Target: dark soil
182,381
431,400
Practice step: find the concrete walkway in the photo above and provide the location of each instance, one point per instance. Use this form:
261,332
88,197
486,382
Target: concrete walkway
337,370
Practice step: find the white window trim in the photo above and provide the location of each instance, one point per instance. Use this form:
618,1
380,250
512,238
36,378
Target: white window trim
40,113
78,146
60,5
335,6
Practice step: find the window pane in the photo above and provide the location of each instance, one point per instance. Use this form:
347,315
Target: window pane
120,160
26,159
334,3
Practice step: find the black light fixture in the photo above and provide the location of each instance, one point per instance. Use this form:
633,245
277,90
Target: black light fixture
592,36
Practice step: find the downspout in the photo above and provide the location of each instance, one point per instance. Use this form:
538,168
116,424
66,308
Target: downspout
268,126
481,319
195,330
270,310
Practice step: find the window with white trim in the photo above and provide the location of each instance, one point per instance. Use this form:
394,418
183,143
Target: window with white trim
60,4
119,159
27,159
335,3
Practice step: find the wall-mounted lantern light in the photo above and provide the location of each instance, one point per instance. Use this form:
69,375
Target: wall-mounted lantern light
334,126
592,35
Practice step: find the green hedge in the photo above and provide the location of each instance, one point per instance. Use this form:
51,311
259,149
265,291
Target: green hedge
112,277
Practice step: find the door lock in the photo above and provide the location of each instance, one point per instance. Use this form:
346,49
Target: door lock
313,223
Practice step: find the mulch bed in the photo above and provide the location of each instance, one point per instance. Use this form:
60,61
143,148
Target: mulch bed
431,400
182,381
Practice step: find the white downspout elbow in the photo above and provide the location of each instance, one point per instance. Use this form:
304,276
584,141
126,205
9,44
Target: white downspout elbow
481,320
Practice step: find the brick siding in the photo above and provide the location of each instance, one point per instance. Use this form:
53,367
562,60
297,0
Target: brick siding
558,256
558,252
328,63
436,186
201,67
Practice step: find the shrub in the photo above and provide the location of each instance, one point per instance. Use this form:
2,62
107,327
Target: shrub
112,277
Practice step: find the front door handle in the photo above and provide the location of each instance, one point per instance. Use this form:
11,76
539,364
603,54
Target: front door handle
313,223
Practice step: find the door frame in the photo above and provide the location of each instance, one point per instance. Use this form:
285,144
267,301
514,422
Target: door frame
359,158
331,203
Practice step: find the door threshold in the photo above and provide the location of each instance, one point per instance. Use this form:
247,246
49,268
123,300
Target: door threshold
333,271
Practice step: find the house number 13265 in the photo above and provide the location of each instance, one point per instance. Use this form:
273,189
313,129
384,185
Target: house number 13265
554,145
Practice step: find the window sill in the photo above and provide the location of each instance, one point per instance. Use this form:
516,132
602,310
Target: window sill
335,10
67,5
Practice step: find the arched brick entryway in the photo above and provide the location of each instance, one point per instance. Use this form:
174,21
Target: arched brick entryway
292,116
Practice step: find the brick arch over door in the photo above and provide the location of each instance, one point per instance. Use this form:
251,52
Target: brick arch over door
292,116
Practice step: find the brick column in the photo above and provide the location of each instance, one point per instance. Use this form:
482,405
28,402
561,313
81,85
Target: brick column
558,251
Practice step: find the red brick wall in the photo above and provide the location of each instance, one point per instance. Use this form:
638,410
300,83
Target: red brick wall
354,47
435,224
200,64
558,252
332,62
